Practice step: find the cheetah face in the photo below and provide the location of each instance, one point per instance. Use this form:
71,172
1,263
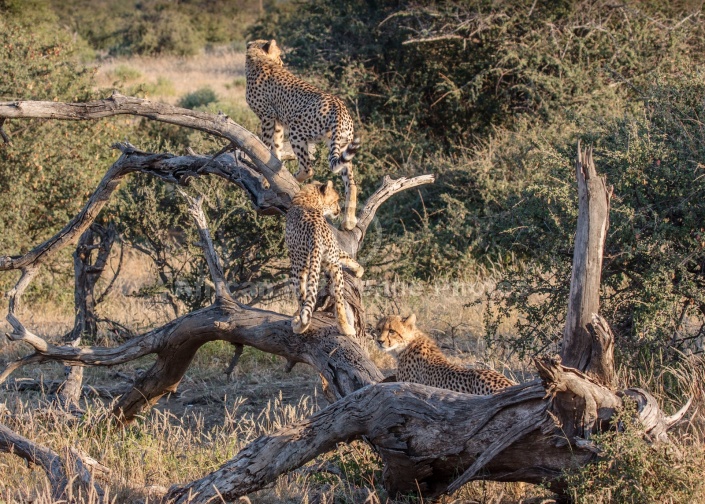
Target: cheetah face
266,48
395,333
330,200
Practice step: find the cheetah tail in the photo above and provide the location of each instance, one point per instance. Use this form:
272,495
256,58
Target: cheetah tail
350,150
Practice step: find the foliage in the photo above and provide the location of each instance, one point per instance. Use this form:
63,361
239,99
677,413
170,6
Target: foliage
493,98
49,170
156,26
653,272
199,98
630,470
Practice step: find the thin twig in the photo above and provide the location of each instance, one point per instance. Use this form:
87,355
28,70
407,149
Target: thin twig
206,243
3,134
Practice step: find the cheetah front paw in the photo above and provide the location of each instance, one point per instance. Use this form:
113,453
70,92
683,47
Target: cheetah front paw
349,223
347,330
297,326
359,272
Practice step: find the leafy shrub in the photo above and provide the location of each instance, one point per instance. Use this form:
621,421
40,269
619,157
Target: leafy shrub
653,271
632,471
154,27
51,168
198,98
163,87
493,98
126,73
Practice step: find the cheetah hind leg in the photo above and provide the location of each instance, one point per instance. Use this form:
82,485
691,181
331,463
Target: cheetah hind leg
302,320
300,147
336,274
351,264
273,136
299,279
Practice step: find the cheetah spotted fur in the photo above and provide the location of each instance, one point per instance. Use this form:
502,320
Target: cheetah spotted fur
421,361
313,247
280,99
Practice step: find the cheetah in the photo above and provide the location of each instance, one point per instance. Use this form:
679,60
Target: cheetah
280,99
421,361
313,247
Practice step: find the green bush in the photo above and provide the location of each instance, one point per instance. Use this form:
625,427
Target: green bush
51,167
493,97
630,470
154,27
198,98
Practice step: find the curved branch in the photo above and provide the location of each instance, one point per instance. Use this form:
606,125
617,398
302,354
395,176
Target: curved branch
220,125
75,228
388,189
342,363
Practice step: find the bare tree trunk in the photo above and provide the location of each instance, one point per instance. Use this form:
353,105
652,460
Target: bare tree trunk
584,301
426,437
88,268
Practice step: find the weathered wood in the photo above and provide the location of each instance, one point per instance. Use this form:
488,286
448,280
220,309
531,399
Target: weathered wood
339,359
601,364
87,271
216,269
52,464
218,125
425,436
584,299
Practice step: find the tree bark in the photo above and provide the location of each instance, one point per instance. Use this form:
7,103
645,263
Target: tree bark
53,465
426,437
584,299
87,272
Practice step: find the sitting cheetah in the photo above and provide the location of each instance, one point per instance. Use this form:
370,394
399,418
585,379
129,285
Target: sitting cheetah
312,247
280,99
421,361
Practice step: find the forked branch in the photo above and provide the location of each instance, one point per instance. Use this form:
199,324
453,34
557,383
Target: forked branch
389,188
214,266
53,465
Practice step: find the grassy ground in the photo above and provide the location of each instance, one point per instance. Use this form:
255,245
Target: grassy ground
211,417
168,78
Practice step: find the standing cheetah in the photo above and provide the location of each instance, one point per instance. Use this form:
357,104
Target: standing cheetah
313,247
421,361
280,99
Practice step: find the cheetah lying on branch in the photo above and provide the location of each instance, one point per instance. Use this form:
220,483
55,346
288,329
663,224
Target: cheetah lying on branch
421,361
280,99
313,247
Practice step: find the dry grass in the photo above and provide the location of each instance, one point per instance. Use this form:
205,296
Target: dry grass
171,77
211,418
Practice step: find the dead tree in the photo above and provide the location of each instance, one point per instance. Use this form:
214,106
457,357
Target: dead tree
88,268
426,437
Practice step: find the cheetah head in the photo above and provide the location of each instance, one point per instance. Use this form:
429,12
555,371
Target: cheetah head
395,332
320,196
266,48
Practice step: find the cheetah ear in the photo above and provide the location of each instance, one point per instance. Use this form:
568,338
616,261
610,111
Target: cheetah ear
410,321
271,46
328,186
